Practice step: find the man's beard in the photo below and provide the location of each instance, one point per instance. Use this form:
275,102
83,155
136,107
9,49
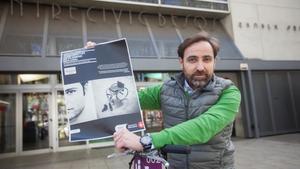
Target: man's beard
197,82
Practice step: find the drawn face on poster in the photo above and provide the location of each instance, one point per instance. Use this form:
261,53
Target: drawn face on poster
115,96
74,94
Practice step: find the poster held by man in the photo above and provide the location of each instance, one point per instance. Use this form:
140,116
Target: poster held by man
100,91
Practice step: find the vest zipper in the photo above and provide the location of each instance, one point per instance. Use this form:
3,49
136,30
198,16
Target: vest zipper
187,102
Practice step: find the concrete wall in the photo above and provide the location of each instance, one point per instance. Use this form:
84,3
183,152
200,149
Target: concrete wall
266,29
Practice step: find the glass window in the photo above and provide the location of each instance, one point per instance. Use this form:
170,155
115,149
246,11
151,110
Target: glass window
101,29
165,36
64,33
63,130
2,6
191,26
221,5
7,123
146,1
34,78
59,78
152,77
174,2
153,120
138,38
20,37
187,26
8,79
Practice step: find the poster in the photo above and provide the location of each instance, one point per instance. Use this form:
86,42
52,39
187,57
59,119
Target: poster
100,91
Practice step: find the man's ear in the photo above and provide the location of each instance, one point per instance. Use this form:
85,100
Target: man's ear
181,62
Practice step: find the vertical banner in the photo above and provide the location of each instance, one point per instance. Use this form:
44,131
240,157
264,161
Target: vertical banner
100,91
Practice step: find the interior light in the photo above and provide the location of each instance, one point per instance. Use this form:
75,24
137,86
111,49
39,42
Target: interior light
3,102
32,77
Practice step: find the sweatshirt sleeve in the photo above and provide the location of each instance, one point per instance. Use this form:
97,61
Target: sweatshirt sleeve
202,128
150,97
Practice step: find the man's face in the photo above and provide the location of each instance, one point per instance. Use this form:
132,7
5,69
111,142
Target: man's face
75,99
198,64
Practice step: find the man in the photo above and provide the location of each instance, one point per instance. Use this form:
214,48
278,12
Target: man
198,110
75,102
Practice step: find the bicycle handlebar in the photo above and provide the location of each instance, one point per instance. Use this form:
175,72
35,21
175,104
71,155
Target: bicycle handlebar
177,149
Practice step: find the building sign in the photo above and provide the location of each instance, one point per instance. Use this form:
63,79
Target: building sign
268,26
198,21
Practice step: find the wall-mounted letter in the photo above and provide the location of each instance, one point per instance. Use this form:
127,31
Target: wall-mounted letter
55,14
141,18
70,12
117,17
88,14
12,6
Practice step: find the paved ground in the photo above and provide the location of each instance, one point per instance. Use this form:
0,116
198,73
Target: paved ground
276,152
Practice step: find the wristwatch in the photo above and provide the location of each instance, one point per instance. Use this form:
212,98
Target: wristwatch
146,142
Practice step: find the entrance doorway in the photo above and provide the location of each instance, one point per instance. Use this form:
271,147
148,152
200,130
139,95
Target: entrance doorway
36,127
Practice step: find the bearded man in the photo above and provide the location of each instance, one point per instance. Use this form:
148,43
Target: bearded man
198,110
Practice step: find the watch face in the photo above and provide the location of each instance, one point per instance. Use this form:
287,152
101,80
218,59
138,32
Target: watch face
146,140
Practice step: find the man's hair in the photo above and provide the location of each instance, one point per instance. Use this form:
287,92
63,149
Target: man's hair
83,83
201,36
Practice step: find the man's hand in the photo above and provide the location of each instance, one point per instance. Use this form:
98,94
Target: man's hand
90,44
126,139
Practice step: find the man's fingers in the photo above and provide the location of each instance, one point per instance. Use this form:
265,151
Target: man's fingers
118,135
120,139
90,44
120,144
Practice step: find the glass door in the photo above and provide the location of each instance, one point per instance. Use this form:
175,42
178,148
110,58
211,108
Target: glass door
7,123
35,120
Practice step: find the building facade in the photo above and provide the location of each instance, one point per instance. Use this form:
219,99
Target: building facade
258,52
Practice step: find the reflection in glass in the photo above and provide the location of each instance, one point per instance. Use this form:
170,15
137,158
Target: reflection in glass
175,2
153,120
103,28
7,123
29,45
166,41
146,1
59,78
19,36
64,33
153,76
35,121
63,44
6,79
139,41
216,4
140,48
63,129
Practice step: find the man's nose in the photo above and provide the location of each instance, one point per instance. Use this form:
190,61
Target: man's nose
200,66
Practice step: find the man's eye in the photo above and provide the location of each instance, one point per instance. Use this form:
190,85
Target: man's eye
192,60
207,59
70,91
